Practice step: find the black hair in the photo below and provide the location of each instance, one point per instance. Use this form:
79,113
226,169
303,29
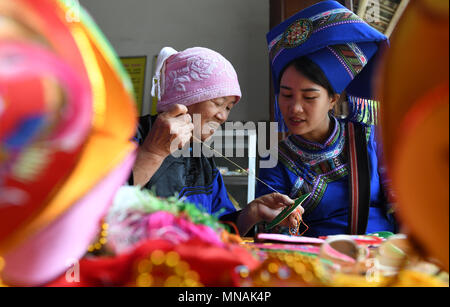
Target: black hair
311,71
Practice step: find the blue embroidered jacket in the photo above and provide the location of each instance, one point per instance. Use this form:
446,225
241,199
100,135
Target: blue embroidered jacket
323,170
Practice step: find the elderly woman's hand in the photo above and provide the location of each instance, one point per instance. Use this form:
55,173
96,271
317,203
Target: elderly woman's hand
171,131
266,208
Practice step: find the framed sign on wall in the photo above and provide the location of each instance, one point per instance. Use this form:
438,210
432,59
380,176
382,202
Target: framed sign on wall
383,15
136,67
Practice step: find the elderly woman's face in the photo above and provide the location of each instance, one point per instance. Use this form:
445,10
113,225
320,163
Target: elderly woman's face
208,115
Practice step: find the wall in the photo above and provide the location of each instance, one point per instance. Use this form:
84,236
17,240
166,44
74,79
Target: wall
235,28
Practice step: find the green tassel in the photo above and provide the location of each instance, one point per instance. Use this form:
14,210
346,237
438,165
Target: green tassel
363,110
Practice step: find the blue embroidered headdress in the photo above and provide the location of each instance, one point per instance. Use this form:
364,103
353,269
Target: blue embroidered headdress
343,45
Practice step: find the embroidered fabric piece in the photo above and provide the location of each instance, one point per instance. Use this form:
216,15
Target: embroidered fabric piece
313,153
297,33
350,56
300,30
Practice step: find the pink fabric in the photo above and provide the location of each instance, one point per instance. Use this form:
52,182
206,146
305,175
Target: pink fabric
124,234
336,255
288,239
49,253
195,75
160,220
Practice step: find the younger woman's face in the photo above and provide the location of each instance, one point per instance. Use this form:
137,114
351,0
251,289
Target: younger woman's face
305,105
212,113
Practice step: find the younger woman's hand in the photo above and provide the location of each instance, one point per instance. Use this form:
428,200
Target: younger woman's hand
266,208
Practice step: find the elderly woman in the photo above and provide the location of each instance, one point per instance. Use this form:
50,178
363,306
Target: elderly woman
317,55
196,81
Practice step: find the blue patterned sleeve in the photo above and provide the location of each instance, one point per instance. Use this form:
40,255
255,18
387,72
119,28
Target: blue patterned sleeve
222,204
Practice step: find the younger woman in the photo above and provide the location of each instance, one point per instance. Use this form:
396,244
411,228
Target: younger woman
315,56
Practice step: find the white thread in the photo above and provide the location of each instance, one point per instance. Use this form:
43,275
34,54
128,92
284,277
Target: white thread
241,168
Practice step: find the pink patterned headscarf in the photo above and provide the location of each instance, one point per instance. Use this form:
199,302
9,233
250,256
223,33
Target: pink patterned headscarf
192,76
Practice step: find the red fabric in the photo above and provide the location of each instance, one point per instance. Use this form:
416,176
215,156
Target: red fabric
214,265
52,171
